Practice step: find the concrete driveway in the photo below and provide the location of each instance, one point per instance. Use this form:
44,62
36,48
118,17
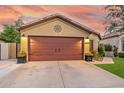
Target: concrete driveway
60,74
7,66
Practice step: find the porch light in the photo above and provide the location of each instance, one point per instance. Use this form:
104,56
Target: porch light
87,41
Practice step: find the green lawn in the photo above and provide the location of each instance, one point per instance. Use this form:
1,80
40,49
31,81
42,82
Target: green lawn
116,68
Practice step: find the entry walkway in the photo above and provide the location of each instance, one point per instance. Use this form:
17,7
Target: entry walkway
106,60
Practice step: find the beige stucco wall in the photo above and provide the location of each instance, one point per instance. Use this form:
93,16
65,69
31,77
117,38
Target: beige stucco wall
96,40
47,29
87,47
120,39
24,43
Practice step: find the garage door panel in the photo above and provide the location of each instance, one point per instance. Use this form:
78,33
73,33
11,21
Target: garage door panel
62,54
53,48
58,52
41,48
47,46
54,40
41,52
38,58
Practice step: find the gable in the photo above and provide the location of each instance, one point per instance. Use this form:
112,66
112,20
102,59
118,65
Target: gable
47,29
62,18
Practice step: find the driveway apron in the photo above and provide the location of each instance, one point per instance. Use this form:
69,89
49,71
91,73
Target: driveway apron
60,74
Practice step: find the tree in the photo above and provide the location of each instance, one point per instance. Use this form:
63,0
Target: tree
10,34
115,18
19,22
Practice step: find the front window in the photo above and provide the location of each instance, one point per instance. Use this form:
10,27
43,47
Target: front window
91,45
122,45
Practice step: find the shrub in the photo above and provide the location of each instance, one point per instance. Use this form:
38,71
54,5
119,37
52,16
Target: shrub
101,50
115,51
21,54
121,54
94,53
98,57
89,54
108,47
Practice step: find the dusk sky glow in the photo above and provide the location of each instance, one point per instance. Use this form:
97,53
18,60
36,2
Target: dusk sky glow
90,16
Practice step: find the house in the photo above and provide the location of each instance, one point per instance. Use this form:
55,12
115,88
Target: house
57,37
114,38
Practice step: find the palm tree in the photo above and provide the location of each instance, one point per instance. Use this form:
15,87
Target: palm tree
115,18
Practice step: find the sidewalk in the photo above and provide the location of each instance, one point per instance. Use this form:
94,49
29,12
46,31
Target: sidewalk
106,60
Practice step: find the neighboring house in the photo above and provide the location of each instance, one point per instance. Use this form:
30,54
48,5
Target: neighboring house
57,37
26,19
115,38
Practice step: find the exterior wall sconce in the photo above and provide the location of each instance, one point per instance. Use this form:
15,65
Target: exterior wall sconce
87,40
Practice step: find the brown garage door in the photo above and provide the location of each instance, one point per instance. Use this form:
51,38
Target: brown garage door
55,48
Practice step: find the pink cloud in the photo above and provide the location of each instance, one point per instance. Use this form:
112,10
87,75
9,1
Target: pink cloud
91,16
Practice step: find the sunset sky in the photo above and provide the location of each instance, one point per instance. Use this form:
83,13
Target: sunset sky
90,16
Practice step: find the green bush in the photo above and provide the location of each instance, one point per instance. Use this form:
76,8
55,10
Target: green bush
101,50
94,53
21,54
89,54
121,54
115,51
98,57
108,47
